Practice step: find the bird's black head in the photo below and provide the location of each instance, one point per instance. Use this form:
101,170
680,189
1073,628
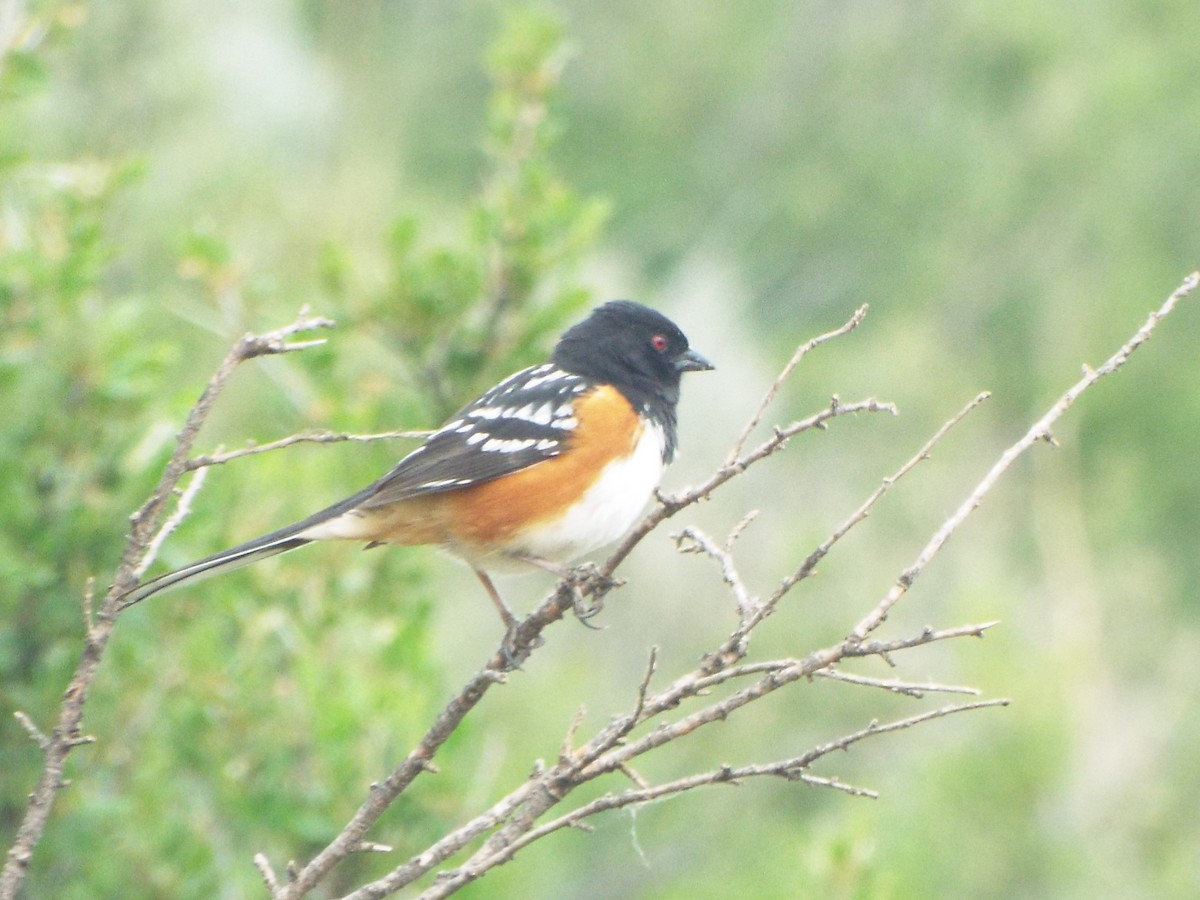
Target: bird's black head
636,349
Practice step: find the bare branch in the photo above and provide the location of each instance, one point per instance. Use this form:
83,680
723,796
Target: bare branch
308,437
275,342
1039,431
35,733
89,607
735,647
569,741
693,540
883,648
908,689
874,729
146,519
183,508
791,769
670,505
603,754
724,775
756,417
268,874
644,687
143,527
810,564
729,673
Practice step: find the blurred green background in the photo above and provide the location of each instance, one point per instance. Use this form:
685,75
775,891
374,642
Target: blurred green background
1010,186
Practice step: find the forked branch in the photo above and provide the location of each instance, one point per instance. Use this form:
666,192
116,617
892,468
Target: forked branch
148,527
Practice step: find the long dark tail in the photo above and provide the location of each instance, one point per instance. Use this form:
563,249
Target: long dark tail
280,541
233,558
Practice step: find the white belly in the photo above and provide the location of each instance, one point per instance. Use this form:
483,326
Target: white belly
609,508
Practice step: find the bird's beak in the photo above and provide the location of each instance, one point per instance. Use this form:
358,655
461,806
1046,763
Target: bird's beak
691,361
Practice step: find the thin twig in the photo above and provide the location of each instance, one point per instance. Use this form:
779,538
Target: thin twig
735,647
874,729
670,505
610,756
144,523
268,874
855,648
568,741
693,540
89,607
35,734
757,416
908,689
810,563
644,686
729,673
790,769
182,508
308,437
1039,431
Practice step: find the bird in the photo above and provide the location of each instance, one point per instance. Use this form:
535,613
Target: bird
550,464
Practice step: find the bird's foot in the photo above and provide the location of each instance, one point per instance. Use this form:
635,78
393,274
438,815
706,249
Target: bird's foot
587,586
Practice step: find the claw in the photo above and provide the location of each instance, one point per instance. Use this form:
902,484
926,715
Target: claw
512,651
508,649
588,576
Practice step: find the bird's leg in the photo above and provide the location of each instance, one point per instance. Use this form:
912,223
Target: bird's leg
508,647
575,579
506,614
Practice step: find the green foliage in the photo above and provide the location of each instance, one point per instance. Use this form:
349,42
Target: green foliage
462,316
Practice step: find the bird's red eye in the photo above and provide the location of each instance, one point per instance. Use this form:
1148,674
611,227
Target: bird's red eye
659,342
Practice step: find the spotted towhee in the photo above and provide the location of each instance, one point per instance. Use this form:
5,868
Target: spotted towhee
551,463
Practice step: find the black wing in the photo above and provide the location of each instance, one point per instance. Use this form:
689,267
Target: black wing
526,419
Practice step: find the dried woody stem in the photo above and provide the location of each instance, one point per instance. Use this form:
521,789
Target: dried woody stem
147,530
514,820
1039,431
309,437
790,769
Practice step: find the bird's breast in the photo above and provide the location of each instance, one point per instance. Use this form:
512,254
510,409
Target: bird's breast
567,506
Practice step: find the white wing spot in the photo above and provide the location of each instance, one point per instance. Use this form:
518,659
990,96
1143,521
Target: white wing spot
544,375
502,445
442,482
